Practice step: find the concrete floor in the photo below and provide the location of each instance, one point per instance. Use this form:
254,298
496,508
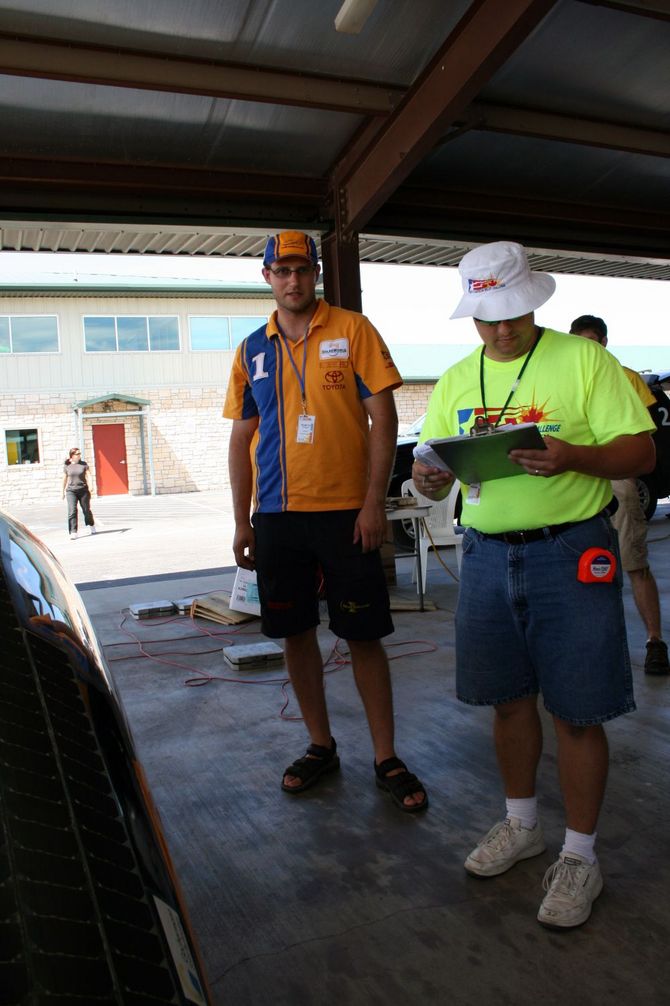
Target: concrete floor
335,894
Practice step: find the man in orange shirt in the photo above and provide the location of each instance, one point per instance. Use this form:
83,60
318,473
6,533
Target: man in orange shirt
311,451
631,525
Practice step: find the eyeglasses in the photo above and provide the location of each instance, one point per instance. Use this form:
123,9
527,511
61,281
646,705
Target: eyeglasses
284,271
491,324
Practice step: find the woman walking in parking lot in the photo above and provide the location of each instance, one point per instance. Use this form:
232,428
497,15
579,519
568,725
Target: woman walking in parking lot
76,485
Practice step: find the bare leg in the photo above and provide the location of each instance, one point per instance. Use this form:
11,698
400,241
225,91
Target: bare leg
582,767
305,669
373,680
645,594
517,732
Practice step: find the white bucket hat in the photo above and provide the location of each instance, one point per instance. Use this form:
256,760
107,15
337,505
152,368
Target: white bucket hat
498,283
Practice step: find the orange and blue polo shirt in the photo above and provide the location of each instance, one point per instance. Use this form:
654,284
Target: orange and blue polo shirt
344,360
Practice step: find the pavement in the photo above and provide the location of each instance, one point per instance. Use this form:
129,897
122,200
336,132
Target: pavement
254,870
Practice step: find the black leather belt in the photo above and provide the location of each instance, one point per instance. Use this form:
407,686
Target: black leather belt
534,534
551,530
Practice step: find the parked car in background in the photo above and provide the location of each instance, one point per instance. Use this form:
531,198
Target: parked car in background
656,485
403,530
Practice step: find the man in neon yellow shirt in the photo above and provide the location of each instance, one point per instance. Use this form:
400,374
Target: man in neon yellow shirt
631,525
540,606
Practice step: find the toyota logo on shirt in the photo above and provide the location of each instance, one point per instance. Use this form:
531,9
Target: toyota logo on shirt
334,379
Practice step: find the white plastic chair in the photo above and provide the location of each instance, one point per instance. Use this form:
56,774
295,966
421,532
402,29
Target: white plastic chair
440,523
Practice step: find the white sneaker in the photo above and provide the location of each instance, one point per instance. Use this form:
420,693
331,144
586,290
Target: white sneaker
92,530
572,885
73,536
505,844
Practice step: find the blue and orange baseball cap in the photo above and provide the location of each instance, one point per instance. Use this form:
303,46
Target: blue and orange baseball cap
290,244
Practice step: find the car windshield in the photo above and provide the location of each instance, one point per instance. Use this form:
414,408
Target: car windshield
414,429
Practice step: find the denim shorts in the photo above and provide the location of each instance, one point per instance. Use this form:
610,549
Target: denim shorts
525,624
293,551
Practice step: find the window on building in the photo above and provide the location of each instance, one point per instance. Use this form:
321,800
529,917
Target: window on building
22,447
24,333
100,335
163,334
131,333
215,332
209,332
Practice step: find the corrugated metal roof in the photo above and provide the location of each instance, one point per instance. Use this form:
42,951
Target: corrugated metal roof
211,242
188,129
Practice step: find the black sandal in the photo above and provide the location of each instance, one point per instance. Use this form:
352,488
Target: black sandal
401,785
316,761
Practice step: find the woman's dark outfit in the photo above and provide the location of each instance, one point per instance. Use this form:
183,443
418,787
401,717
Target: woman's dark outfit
77,491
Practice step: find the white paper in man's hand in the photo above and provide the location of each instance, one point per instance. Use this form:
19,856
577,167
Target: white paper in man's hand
427,456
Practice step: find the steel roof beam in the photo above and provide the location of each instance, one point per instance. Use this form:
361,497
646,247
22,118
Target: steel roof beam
659,9
479,45
486,203
159,177
550,126
71,61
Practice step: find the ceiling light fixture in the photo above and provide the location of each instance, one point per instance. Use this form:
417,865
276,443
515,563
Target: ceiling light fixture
353,14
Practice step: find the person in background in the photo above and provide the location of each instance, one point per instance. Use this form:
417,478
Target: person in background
631,525
540,606
311,451
77,488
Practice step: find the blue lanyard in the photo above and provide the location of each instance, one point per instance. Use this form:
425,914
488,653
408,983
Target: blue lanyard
301,377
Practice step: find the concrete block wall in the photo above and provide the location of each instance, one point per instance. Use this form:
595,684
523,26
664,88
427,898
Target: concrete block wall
53,417
412,401
189,441
189,438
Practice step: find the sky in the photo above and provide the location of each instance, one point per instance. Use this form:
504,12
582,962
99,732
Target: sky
408,304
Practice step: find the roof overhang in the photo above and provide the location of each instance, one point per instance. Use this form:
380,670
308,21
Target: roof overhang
214,242
112,396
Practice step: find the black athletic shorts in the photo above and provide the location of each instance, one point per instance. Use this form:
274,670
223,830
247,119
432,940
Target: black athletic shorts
290,549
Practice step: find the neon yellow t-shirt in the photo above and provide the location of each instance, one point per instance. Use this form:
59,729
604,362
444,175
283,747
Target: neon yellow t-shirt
575,391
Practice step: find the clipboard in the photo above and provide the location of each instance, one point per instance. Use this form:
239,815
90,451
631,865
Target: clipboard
481,458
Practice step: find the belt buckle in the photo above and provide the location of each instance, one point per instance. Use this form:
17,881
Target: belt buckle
522,537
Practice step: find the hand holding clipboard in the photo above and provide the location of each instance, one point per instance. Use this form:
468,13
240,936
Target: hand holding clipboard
481,458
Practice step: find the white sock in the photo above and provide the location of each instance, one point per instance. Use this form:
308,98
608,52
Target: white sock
582,845
525,809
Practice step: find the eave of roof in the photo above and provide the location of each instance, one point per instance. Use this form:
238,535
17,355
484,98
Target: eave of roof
127,288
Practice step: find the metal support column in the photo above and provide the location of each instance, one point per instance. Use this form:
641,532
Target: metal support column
341,264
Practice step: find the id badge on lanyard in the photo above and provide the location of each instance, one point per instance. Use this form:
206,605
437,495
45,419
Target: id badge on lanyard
305,431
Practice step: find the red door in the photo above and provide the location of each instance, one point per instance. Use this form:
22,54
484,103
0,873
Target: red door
111,468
